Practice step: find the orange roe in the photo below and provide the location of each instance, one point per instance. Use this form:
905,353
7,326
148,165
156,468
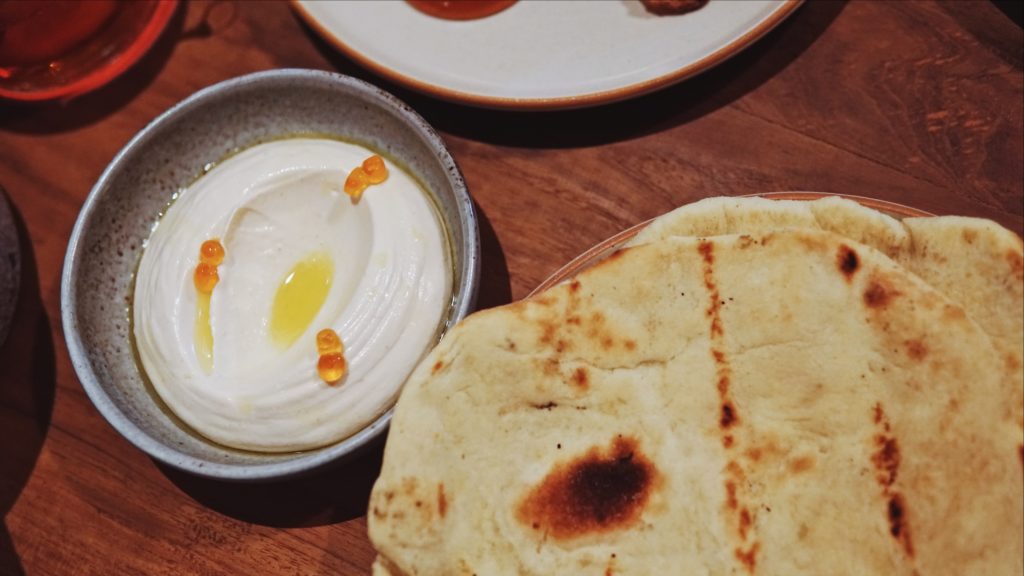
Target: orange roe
356,183
211,252
373,171
205,277
332,365
327,341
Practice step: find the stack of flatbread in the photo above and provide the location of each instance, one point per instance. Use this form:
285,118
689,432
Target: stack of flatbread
750,387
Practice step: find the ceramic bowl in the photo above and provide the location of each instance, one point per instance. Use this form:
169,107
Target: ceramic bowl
166,156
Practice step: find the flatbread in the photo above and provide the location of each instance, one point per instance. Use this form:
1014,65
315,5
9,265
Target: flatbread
788,402
976,262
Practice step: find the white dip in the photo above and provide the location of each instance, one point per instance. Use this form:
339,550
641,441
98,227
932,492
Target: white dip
274,207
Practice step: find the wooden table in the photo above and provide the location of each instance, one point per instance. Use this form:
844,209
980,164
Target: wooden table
912,102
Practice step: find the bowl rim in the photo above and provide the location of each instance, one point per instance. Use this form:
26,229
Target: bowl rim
463,294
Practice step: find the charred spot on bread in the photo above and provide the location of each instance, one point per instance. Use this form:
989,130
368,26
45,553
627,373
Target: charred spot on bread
801,464
728,415
581,378
849,262
602,490
898,526
748,557
442,500
886,460
916,349
878,294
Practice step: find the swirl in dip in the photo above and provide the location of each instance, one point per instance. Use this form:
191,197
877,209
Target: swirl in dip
300,256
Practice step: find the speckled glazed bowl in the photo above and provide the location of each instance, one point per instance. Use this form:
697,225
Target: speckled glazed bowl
169,154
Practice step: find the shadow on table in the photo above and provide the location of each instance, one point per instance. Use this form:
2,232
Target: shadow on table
27,387
332,495
495,285
661,110
62,116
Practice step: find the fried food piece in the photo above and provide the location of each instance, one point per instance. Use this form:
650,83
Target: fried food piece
666,7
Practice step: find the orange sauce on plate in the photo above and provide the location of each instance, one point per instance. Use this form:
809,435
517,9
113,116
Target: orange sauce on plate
460,9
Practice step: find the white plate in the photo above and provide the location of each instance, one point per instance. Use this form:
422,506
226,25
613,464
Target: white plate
542,54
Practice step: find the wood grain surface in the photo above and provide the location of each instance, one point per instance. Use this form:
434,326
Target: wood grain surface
917,103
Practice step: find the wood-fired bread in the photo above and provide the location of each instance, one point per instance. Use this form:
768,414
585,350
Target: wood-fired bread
774,402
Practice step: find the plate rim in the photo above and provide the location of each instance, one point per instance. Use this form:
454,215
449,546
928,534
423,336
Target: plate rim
595,253
730,49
